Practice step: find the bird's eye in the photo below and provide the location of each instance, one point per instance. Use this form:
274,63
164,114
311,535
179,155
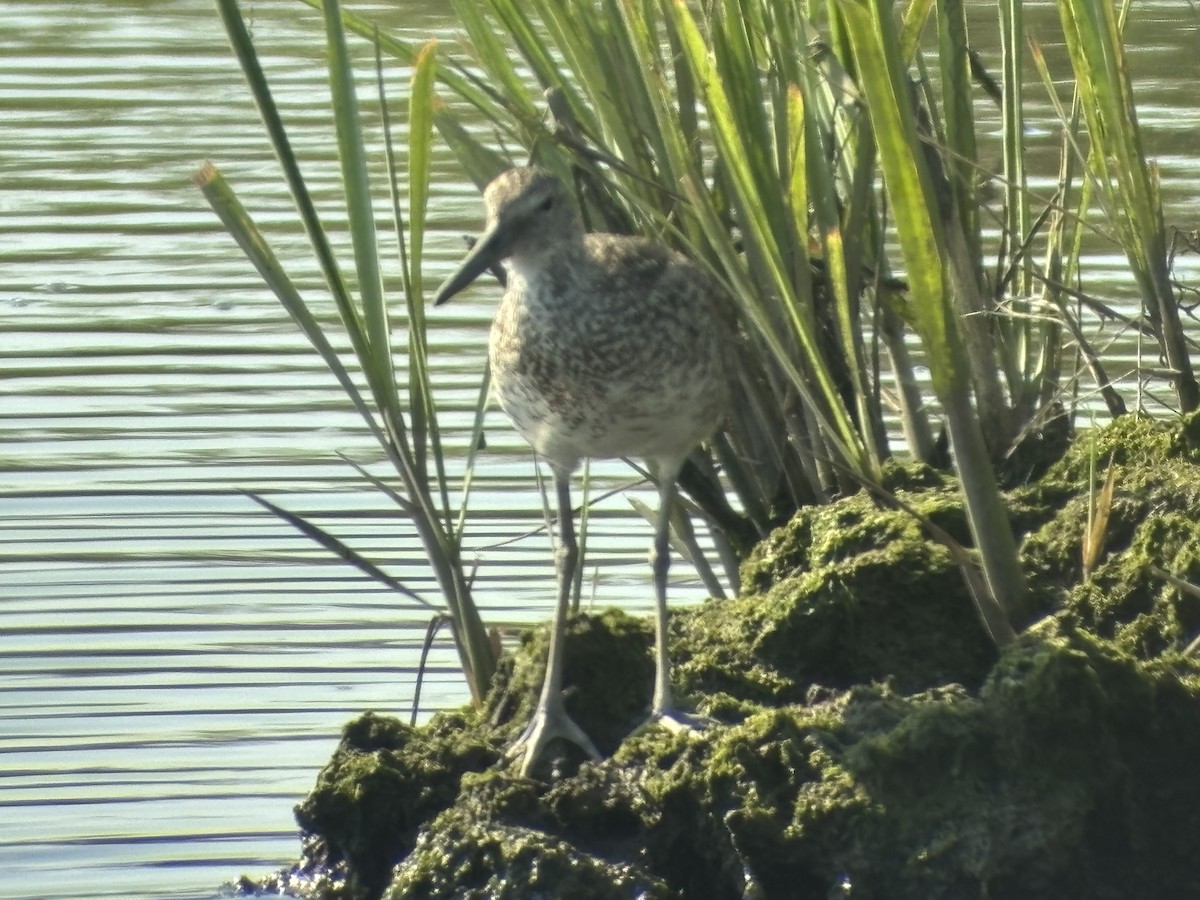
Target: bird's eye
547,204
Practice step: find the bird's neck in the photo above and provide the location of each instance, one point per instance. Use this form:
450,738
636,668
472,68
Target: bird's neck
555,260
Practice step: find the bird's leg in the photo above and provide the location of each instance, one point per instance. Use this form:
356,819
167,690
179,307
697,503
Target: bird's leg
662,710
550,719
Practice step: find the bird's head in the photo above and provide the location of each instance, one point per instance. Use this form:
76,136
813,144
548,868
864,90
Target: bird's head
529,211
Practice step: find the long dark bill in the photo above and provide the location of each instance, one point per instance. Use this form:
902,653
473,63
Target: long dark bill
487,252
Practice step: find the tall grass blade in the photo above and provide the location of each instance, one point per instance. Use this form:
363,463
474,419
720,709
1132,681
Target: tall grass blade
491,52
238,222
329,542
1123,175
361,215
243,47
426,433
1099,510
480,162
435,625
457,78
476,442
380,485
925,249
369,328
738,141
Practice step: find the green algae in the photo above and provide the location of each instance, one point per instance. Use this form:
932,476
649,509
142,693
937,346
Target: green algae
1153,528
384,781
869,741
469,860
610,648
846,593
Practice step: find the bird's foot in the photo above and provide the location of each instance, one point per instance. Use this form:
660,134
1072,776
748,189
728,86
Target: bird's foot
676,721
546,725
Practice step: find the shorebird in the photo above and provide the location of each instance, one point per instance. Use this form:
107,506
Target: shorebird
603,346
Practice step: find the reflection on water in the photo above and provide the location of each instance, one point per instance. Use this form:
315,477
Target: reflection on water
174,663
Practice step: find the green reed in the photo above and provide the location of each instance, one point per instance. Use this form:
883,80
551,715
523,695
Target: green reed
722,133
405,423
783,144
1124,181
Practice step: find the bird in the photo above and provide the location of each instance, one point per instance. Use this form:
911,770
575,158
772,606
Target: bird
602,346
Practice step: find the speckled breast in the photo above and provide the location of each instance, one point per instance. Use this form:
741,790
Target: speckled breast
589,369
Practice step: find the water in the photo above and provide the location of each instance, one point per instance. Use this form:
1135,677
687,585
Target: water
175,664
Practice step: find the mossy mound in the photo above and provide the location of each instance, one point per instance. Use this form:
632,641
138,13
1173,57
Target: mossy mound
868,739
1152,534
846,593
611,649
385,781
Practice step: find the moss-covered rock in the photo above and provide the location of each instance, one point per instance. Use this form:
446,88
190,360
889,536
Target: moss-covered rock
385,780
610,649
868,739
465,858
946,794
845,593
1152,535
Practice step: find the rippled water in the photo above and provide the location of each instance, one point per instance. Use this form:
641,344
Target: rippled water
175,664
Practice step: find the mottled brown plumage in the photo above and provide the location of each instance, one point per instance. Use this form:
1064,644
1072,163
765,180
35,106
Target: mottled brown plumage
602,346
